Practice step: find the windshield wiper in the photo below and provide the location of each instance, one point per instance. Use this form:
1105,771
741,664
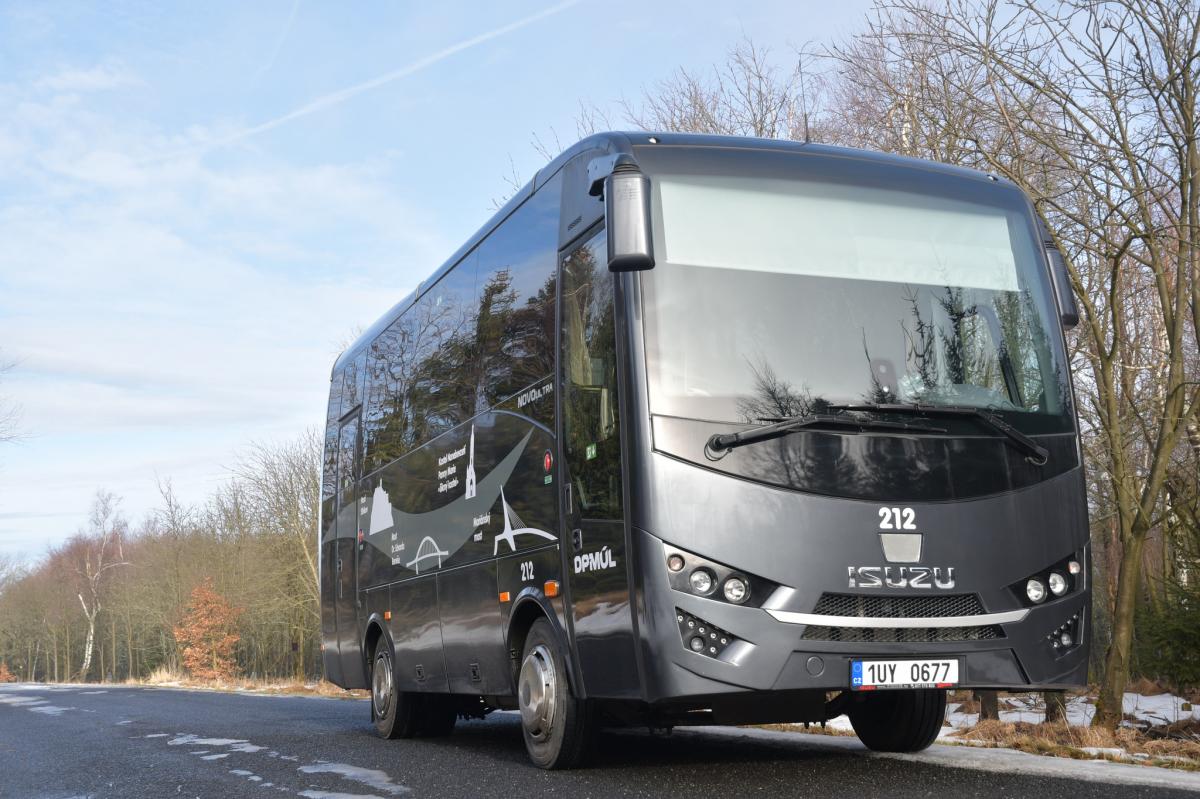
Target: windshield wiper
1035,453
721,442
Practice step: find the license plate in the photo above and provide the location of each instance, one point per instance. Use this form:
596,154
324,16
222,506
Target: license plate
871,675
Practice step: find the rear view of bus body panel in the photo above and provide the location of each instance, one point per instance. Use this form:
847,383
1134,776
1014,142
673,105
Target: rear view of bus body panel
798,547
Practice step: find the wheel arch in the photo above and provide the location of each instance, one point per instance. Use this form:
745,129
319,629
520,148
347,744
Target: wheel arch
375,629
531,605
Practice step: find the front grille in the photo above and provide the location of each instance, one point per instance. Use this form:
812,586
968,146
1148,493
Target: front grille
898,607
903,635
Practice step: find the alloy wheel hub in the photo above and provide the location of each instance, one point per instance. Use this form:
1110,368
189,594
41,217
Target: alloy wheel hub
381,686
537,690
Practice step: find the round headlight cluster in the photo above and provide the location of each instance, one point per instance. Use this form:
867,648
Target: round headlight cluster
736,590
1035,590
702,581
1058,584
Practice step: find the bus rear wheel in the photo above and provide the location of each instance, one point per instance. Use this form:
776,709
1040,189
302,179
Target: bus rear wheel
556,726
396,714
898,721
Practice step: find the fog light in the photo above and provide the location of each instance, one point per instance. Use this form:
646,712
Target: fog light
1058,584
675,563
736,590
702,581
697,644
1074,568
1065,638
1035,590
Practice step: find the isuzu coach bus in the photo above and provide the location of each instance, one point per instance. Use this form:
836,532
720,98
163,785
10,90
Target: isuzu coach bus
713,431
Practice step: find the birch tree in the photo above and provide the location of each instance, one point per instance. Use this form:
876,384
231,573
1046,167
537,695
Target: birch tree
94,555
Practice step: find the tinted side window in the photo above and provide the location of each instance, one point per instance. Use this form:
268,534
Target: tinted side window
330,458
353,375
589,368
516,298
446,379
424,369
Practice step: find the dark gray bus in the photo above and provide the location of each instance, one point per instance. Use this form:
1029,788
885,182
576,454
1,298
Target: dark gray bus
706,430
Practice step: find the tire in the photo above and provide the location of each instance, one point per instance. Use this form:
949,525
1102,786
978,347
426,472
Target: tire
438,714
556,726
899,721
395,713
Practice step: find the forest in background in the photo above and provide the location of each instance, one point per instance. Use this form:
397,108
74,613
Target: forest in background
1089,107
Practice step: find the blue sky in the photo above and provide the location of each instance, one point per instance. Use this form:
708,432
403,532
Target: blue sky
200,202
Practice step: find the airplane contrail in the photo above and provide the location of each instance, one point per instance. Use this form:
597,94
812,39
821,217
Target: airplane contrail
340,96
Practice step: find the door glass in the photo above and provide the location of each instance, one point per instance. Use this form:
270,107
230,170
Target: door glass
589,352
347,461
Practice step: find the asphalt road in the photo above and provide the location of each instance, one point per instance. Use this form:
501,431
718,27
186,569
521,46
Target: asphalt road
98,741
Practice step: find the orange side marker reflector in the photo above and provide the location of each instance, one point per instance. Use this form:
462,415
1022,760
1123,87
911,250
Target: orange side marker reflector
550,587
387,615
504,596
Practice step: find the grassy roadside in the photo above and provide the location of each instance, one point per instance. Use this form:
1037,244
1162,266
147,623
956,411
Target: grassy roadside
168,679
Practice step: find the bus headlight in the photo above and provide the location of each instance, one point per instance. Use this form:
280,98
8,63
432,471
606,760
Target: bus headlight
736,590
1035,590
1058,584
702,581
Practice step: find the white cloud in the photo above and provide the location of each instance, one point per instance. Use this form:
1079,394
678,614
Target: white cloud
166,311
101,77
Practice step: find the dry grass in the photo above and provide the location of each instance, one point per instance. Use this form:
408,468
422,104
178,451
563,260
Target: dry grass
166,677
1179,748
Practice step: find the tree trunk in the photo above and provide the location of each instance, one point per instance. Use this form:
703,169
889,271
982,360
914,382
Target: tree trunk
1056,706
1116,662
989,705
88,644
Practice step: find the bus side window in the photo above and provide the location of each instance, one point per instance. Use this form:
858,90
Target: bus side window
330,458
590,422
516,298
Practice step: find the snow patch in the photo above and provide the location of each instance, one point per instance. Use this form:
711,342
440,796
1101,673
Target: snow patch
50,710
246,747
215,757
1148,710
156,735
241,772
196,740
372,778
22,701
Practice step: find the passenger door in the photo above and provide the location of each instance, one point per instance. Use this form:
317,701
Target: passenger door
596,559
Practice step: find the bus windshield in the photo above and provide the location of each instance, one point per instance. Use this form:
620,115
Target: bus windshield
774,298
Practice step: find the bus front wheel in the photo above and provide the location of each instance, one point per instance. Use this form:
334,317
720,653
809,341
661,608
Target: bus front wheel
556,726
898,721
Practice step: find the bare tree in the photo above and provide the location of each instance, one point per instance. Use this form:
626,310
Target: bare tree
9,413
93,555
1091,107
748,94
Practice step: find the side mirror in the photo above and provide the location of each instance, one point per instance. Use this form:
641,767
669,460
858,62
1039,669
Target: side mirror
1068,310
627,217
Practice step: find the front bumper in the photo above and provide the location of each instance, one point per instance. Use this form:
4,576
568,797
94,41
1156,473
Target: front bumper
774,656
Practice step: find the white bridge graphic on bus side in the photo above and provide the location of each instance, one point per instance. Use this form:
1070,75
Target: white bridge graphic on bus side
428,549
510,532
453,523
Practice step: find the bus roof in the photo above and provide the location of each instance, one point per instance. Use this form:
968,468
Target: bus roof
612,143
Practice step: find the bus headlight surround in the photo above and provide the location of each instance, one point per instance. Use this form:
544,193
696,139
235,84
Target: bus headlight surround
736,590
1058,584
702,581
1036,591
